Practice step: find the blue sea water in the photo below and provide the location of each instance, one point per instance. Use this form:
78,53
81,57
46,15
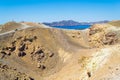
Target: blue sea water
80,27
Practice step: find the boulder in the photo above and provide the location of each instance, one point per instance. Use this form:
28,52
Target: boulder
42,54
51,54
89,74
39,51
22,47
30,78
3,48
13,42
35,37
4,67
38,65
92,32
20,37
110,34
38,57
8,52
12,48
110,38
21,54
42,67
3,52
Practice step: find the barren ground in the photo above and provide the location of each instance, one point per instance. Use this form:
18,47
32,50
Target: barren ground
42,53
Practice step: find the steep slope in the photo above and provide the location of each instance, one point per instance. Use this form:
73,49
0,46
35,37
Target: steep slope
115,23
46,48
41,53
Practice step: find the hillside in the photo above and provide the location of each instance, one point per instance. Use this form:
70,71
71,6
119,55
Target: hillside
63,23
10,26
72,23
42,53
115,23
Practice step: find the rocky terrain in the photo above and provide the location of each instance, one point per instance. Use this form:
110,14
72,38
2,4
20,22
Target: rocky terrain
37,52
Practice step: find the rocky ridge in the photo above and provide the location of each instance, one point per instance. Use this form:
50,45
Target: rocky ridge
38,53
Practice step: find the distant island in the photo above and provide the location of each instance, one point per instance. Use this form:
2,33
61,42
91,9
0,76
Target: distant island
72,23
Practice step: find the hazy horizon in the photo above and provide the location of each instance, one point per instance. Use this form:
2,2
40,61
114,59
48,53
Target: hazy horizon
58,10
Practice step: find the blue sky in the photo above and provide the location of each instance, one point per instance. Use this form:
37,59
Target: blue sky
56,10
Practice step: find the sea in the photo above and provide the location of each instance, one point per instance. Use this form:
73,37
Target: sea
80,27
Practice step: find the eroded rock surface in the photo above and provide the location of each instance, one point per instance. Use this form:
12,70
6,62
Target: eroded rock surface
39,53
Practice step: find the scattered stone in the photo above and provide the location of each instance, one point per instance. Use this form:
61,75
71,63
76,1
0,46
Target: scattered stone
0,65
2,70
107,42
30,39
19,37
13,42
3,52
26,47
15,69
7,48
38,65
42,67
73,36
39,51
22,47
8,53
117,69
35,37
110,39
4,67
3,48
110,34
51,54
92,32
21,54
42,54
31,78
12,48
16,78
89,74
38,57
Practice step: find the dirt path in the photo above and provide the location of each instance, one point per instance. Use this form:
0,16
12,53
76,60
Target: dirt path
24,26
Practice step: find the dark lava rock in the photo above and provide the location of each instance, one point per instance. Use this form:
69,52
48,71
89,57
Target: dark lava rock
31,78
89,74
13,42
3,52
12,48
42,67
21,54
39,51
51,54
22,47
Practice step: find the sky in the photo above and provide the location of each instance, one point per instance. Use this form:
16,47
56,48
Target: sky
57,10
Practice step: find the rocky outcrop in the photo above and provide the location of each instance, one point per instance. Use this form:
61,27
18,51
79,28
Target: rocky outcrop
21,54
12,73
102,34
110,38
53,54
21,45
